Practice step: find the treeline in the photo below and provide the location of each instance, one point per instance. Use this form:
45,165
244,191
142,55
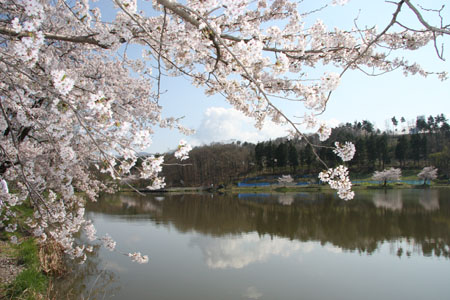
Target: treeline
427,142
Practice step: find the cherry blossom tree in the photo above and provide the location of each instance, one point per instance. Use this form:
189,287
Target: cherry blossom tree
387,174
428,173
285,179
72,99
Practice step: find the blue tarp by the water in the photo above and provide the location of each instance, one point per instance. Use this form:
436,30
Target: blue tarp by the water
242,184
256,184
413,182
249,195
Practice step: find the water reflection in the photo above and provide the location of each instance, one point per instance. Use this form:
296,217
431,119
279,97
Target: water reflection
286,199
429,199
92,280
240,251
372,218
392,199
271,246
252,293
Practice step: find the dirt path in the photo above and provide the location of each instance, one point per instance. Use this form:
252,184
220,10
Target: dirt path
8,267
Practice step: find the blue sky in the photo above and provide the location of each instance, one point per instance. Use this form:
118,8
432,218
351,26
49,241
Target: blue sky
359,97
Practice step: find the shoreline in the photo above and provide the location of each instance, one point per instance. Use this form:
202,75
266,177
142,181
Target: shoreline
283,188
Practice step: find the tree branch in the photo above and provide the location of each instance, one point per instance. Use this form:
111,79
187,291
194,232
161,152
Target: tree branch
442,30
88,39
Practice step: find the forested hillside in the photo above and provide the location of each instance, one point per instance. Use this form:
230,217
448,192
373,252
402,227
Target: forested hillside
425,142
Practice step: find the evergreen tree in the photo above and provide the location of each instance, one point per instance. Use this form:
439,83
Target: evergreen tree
415,146
281,155
421,124
293,156
269,153
431,125
361,152
371,150
395,123
400,149
259,155
382,149
308,156
367,126
424,147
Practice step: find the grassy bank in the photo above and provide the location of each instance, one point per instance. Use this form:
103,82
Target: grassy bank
31,282
28,266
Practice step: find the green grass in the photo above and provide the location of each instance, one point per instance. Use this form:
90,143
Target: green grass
31,282
28,253
28,284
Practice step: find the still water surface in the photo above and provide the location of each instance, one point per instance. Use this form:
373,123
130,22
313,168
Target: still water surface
390,244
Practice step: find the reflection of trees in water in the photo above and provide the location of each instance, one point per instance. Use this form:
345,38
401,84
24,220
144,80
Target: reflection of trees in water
286,199
90,280
429,199
427,247
422,216
390,199
133,204
128,205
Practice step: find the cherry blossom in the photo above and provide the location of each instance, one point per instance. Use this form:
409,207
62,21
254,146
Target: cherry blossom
324,132
61,82
428,173
338,179
285,179
138,257
345,151
183,150
108,242
387,174
73,100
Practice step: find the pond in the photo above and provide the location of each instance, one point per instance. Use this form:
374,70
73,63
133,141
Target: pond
384,244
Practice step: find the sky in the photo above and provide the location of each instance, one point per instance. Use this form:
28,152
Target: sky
358,97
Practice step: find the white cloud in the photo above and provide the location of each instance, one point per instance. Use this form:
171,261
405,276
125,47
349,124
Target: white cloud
224,124
252,293
237,252
221,124
333,249
333,122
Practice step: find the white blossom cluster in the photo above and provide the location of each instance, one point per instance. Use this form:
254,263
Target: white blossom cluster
108,242
27,48
151,166
330,81
7,203
138,257
61,82
285,179
345,151
311,122
387,174
428,173
182,152
324,132
338,179
99,104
